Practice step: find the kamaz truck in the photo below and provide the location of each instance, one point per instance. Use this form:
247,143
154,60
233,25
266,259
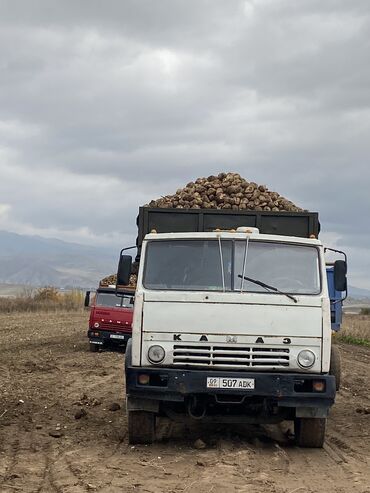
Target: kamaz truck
232,321
110,317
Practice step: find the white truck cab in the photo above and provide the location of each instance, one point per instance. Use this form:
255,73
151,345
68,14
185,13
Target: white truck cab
230,326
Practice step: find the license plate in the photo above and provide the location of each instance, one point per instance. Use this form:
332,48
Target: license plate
230,383
116,336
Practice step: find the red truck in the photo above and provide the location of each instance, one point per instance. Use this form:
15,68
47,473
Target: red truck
110,317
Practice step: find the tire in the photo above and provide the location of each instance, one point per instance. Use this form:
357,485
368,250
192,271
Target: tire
94,348
141,427
335,366
310,432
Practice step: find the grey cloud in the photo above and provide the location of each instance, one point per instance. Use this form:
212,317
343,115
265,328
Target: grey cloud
104,106
160,20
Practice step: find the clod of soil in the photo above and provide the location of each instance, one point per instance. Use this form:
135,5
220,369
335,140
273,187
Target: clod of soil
201,463
81,413
56,433
87,401
363,410
199,444
14,476
114,406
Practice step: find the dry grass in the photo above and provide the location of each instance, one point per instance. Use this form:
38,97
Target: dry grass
355,330
45,299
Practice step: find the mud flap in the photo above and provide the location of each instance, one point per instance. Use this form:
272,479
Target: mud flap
311,412
136,404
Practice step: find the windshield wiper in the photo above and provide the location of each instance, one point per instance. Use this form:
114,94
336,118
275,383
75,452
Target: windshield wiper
267,286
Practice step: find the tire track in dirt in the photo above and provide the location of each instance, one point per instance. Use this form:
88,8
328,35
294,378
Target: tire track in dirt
10,446
47,483
65,475
22,453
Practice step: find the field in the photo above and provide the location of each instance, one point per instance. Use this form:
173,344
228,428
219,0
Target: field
59,431
356,329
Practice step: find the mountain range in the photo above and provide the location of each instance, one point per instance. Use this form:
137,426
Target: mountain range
358,293
37,261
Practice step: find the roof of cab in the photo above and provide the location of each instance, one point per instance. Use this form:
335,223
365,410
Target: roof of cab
231,235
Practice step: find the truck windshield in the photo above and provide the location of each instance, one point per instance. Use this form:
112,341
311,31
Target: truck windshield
111,300
290,268
210,265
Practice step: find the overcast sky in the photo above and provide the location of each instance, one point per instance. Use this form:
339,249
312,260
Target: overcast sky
106,105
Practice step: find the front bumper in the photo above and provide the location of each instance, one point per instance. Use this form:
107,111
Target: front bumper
285,389
108,337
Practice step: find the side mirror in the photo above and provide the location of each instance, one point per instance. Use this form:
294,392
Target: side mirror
124,270
340,275
87,299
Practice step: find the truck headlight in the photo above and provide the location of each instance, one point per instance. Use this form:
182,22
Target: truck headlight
306,358
96,325
156,354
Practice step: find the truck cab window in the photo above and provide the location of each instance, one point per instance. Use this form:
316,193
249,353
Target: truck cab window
113,301
289,268
188,264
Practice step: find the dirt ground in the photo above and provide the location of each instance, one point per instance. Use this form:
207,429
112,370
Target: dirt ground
48,375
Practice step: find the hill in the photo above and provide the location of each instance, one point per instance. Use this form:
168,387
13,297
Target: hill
358,293
37,261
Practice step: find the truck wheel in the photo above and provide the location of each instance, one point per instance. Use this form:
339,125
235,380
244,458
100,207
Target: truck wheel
335,366
94,348
310,432
141,427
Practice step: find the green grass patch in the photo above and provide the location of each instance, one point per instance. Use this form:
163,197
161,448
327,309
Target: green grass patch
359,341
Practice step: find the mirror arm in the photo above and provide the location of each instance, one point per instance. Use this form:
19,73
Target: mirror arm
336,251
127,248
345,259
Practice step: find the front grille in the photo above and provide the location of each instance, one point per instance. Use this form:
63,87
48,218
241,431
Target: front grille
122,327
230,356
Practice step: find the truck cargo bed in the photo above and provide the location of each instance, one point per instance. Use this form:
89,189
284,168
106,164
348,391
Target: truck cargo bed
301,224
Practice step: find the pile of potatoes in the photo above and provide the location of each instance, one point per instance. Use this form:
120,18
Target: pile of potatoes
112,279
225,191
